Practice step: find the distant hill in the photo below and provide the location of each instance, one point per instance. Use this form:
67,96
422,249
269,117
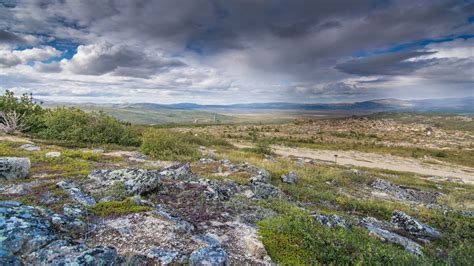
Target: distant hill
457,105
151,113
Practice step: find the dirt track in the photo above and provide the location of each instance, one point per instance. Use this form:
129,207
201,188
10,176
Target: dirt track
372,160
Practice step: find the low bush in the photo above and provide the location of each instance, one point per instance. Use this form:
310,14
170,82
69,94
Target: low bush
76,126
167,145
296,239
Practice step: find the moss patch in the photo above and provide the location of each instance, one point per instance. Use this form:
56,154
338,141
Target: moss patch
104,209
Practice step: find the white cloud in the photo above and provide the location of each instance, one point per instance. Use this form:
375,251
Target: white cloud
120,60
9,58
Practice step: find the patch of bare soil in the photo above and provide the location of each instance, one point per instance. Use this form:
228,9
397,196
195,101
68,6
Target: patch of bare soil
387,162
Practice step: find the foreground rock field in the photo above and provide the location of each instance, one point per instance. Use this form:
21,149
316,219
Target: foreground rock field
233,206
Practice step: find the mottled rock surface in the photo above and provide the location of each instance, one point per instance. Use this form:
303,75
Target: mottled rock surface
412,226
136,181
76,194
14,167
383,234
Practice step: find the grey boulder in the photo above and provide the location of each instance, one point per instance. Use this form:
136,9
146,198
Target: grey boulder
136,181
14,167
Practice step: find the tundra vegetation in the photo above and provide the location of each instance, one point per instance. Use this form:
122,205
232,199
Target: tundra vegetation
326,216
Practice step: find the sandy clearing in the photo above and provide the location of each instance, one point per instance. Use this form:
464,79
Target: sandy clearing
372,160
14,139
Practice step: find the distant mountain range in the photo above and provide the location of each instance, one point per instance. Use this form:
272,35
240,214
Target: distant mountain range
453,105
458,105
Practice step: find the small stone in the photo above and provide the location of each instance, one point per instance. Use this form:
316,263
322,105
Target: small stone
14,167
53,154
30,147
290,178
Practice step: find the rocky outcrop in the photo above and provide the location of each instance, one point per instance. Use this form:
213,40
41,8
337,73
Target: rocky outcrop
290,178
413,227
22,229
375,229
62,252
28,236
136,181
405,194
14,167
76,194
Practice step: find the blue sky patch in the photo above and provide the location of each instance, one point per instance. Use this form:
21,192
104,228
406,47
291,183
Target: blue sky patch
411,45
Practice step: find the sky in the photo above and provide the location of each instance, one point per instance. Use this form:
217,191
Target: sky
236,51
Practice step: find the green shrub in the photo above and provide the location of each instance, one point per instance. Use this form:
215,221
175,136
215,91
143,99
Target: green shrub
103,209
166,145
462,254
26,108
298,240
76,126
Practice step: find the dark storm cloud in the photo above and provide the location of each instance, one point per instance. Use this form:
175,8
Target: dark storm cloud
8,37
246,43
388,64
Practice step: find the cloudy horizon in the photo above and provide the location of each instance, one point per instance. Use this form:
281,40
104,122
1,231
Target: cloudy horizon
236,51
